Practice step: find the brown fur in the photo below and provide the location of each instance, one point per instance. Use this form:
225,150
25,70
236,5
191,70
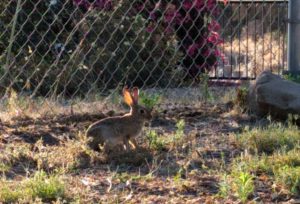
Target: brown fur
120,130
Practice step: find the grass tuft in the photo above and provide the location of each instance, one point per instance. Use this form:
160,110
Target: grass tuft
43,186
289,177
269,139
274,152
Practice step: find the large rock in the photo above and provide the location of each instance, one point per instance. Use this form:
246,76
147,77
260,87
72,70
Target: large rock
271,94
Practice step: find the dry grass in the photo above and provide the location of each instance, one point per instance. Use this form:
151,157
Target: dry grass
255,55
182,155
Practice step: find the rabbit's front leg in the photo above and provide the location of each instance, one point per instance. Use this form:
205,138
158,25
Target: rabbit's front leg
133,143
126,144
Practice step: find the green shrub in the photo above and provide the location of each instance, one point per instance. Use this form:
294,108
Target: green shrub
94,50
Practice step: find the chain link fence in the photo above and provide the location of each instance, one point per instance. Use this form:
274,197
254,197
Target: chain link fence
79,48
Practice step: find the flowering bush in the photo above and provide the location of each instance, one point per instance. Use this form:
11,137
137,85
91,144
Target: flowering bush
98,4
192,21
74,46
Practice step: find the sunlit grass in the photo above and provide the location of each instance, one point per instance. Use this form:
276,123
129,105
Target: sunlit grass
40,185
272,151
269,139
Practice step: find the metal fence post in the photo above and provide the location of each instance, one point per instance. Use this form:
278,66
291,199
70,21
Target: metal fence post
294,37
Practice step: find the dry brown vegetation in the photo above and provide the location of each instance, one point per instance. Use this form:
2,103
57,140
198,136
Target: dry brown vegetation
249,56
187,154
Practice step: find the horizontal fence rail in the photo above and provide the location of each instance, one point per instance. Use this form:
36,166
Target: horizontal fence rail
69,48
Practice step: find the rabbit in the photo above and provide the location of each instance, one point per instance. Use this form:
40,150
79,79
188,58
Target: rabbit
120,130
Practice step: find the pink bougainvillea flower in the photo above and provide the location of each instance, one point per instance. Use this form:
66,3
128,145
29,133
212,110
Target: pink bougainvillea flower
169,30
214,38
211,4
178,18
172,16
82,3
168,17
214,26
103,4
187,5
206,53
219,54
150,28
139,7
170,12
153,15
199,4
204,45
187,18
193,48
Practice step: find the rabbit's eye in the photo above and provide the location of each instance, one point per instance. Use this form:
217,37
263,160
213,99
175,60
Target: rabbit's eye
142,111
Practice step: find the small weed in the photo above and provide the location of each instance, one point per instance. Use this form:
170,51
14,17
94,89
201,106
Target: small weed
149,101
290,77
178,176
179,133
13,103
241,98
224,186
242,185
207,95
4,167
154,141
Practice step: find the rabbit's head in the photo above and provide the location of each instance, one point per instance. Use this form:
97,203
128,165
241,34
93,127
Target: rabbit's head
136,110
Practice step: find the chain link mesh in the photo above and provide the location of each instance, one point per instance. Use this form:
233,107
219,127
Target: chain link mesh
77,48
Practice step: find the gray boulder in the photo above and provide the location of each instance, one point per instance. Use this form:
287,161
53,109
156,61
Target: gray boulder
271,94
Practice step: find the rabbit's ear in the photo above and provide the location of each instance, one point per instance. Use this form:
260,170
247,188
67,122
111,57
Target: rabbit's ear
127,96
135,94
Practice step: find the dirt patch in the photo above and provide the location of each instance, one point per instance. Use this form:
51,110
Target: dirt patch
187,171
